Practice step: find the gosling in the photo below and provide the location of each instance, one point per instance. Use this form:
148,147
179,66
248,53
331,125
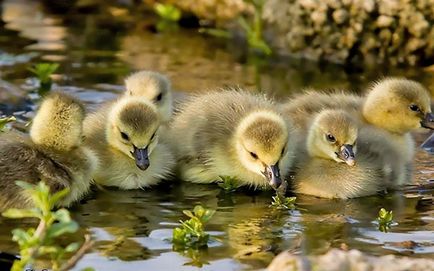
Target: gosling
125,135
53,153
232,133
391,110
154,87
326,164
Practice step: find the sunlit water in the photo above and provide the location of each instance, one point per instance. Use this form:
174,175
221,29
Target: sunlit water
132,228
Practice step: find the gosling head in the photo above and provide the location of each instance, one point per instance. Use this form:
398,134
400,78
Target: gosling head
261,141
399,106
332,135
58,122
154,87
132,129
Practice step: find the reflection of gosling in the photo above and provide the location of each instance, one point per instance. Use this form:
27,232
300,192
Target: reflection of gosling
125,135
231,133
320,168
53,153
392,108
154,87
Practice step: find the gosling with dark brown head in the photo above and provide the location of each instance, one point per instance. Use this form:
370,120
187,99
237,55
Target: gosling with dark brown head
53,153
232,133
125,135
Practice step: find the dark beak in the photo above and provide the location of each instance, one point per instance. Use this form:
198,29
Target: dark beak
347,154
142,158
428,121
272,173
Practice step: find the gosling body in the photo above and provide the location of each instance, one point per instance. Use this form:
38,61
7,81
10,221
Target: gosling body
53,153
125,135
232,133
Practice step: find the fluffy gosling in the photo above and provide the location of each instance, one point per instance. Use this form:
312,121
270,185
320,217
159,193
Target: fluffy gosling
125,135
321,170
232,133
53,153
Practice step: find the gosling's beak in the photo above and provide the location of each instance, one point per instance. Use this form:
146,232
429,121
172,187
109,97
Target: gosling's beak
428,121
272,173
142,158
347,154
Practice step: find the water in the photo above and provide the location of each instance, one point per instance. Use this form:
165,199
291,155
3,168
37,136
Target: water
132,228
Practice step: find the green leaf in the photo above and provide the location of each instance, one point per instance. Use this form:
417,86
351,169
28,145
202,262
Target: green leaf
168,12
43,71
88,269
61,228
56,197
188,213
43,250
199,211
72,247
208,214
62,215
21,213
4,121
20,236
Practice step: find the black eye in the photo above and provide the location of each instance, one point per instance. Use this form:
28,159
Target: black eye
414,108
283,151
153,136
331,138
159,97
254,155
125,136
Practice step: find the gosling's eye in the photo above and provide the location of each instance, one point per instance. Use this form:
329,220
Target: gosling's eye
283,151
414,108
153,136
125,136
159,97
330,138
254,155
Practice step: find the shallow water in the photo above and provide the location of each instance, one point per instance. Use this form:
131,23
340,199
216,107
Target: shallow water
132,228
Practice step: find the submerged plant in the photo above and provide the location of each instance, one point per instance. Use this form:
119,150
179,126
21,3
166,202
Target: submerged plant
228,183
4,121
282,202
42,242
43,72
192,233
384,219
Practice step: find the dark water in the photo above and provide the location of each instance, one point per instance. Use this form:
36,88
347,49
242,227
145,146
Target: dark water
131,228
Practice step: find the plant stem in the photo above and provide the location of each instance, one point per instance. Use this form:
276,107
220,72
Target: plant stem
88,243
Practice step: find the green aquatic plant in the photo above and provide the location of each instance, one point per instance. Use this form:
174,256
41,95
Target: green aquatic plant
228,183
282,202
192,233
384,219
42,242
168,12
4,121
252,27
43,72
169,17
